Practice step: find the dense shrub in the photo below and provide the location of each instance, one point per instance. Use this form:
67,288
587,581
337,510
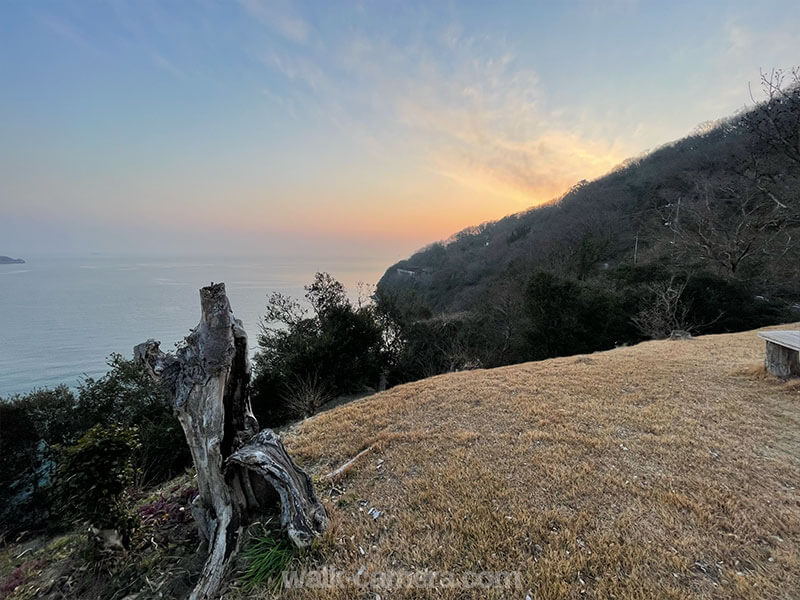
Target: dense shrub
420,344
303,358
31,426
437,345
128,396
704,302
34,423
571,317
94,475
717,305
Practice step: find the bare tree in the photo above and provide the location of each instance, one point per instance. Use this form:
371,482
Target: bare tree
776,120
728,223
305,394
667,311
748,214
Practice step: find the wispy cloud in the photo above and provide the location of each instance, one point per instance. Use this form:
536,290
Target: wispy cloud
477,114
67,31
490,128
280,17
299,69
743,51
531,173
739,38
163,63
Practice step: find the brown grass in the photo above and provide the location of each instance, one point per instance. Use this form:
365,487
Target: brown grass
665,470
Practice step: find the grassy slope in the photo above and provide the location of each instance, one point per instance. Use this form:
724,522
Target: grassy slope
666,470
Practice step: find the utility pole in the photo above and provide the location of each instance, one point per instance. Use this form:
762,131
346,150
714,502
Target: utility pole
636,247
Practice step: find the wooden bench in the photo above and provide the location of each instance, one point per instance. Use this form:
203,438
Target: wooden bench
783,353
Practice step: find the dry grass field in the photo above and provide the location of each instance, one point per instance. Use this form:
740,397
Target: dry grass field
666,470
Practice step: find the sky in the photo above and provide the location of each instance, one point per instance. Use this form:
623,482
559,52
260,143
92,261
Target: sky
352,128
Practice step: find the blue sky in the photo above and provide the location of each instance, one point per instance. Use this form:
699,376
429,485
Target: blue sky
363,127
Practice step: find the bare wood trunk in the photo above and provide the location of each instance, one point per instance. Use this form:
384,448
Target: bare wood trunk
208,380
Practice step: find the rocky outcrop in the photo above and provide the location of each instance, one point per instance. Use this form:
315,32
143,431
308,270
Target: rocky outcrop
7,260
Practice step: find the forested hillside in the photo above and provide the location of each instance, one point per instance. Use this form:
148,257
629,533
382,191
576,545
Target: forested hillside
699,236
724,202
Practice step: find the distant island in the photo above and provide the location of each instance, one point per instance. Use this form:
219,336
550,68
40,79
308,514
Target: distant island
7,260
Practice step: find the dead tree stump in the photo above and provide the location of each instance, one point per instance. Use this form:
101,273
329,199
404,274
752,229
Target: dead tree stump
239,469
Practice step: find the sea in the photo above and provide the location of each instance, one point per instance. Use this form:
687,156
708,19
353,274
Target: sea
62,317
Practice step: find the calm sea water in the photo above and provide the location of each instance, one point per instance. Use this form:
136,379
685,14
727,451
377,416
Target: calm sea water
60,318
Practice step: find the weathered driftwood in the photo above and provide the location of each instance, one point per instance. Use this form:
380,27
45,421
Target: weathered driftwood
782,357
239,469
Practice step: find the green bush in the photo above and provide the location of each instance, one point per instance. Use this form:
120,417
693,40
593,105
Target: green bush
709,303
128,396
440,344
420,344
571,317
718,305
94,475
31,425
304,358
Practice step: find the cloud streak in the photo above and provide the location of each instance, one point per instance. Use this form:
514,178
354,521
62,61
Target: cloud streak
163,63
477,115
278,16
68,32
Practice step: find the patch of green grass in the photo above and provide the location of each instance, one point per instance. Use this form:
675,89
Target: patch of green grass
268,554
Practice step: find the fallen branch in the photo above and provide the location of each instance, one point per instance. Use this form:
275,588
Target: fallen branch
345,466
